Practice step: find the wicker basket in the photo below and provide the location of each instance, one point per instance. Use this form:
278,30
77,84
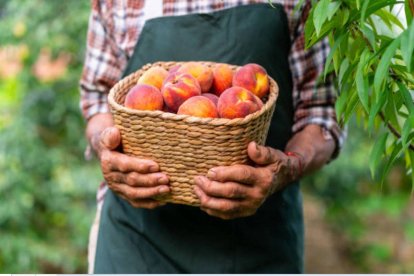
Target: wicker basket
185,146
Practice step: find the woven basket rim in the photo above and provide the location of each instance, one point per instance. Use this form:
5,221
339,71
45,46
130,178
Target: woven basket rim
273,94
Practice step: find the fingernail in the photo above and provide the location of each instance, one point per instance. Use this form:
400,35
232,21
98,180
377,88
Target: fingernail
163,190
211,174
153,168
162,180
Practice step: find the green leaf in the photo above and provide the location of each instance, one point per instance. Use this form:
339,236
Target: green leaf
333,8
376,153
407,98
390,19
407,128
341,102
382,98
362,80
364,10
407,46
382,70
343,69
397,148
351,106
333,50
320,15
369,34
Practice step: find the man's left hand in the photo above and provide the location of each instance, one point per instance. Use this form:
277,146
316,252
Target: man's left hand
239,190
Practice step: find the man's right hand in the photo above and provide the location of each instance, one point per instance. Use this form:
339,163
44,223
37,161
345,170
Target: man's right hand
136,180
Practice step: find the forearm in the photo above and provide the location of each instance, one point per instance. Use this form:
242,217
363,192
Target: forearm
94,128
312,147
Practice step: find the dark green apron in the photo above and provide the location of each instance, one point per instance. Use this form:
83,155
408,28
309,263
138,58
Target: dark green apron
183,239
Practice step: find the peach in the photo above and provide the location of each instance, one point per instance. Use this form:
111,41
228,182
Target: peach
174,68
222,78
254,78
179,87
202,73
237,102
154,76
212,97
198,106
144,97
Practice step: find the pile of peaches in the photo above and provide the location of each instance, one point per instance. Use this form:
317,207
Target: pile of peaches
195,89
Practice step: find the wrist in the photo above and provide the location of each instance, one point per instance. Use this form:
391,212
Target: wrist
295,164
95,126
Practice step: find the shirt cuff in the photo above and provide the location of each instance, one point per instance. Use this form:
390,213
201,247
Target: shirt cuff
330,128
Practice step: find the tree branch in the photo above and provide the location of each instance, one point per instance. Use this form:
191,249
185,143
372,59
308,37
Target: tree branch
393,130
411,4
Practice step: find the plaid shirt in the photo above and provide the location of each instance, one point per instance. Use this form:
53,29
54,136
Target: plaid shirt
114,29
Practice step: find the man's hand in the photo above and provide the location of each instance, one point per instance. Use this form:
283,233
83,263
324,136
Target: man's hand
239,190
135,180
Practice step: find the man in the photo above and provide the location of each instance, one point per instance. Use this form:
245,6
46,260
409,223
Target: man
250,219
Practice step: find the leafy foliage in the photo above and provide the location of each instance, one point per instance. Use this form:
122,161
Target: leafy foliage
47,190
372,56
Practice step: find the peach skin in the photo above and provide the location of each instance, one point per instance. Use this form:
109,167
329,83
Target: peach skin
202,73
222,78
254,78
144,97
179,87
154,76
212,97
237,102
198,106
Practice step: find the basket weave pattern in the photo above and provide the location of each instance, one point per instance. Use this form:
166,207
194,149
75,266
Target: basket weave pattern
186,146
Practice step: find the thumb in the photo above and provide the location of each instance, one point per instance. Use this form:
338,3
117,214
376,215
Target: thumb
262,155
110,138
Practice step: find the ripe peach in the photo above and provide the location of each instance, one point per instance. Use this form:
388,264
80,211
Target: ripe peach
202,73
254,78
179,87
222,78
212,97
198,106
144,97
154,76
237,102
174,68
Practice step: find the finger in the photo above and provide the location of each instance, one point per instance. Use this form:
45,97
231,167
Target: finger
218,204
236,173
262,155
147,203
137,179
134,193
143,203
230,190
116,161
110,138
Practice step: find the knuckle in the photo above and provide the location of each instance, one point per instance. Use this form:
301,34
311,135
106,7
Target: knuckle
245,173
130,194
106,161
132,179
142,166
234,192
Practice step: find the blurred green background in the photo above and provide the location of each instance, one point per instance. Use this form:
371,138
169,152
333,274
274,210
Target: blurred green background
47,190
